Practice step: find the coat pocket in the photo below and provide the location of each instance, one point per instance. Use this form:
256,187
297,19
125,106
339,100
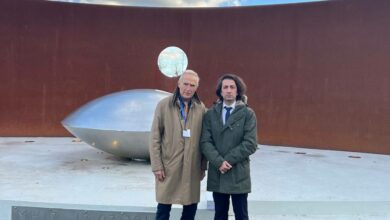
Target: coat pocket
242,171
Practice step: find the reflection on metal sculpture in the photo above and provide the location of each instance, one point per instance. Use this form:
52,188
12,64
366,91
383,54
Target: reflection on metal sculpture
118,123
172,61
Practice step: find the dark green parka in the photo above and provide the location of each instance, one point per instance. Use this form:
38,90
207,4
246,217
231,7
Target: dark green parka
233,142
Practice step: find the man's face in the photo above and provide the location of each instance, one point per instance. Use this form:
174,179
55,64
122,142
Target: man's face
188,86
229,91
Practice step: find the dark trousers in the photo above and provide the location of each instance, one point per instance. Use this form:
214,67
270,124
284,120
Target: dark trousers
240,206
164,210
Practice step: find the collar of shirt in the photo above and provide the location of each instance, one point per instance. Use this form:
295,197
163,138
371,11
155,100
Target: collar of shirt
181,101
232,106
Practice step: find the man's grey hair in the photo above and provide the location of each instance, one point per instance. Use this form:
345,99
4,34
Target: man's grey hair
190,72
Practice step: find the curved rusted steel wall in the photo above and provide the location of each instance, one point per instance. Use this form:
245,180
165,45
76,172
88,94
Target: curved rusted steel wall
318,73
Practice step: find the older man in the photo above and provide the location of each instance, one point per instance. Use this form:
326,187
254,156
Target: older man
229,136
174,148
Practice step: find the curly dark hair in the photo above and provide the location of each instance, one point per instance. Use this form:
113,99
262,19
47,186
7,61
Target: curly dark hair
241,86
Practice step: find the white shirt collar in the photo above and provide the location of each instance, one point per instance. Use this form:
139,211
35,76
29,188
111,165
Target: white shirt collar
232,105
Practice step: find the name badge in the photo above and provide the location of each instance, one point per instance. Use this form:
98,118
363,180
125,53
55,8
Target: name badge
187,133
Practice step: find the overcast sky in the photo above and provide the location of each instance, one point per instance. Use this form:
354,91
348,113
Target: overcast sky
188,3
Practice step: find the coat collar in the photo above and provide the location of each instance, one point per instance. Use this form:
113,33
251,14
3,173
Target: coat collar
176,95
239,106
237,114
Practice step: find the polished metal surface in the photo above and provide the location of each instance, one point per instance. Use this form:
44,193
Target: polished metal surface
118,123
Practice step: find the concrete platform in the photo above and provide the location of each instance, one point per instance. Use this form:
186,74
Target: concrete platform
288,183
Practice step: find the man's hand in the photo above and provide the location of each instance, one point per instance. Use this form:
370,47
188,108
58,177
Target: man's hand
160,175
225,167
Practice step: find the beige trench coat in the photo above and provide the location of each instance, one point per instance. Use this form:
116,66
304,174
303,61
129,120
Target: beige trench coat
179,157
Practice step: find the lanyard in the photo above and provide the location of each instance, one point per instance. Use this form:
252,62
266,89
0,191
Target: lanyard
184,114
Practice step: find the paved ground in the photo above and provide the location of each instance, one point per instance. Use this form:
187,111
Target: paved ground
288,183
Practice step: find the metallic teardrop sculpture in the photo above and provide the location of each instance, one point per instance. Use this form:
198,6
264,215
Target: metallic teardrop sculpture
118,123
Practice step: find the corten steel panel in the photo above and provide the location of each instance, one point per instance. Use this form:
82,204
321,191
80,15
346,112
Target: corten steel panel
317,73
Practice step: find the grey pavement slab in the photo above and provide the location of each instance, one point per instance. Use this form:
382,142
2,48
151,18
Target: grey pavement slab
288,183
